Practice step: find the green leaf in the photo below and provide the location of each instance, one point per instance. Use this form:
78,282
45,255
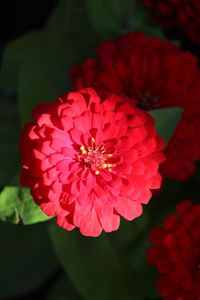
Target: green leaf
106,15
129,231
138,21
26,260
144,273
68,19
93,266
34,88
42,79
9,138
40,83
166,121
63,290
148,275
36,47
59,21
34,44
16,204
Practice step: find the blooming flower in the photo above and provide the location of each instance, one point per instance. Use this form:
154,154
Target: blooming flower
184,13
154,74
89,160
176,253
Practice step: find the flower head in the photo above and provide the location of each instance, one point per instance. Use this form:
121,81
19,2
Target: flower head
154,74
183,13
89,160
176,253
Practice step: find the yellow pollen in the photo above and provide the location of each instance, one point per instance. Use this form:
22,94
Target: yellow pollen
83,151
95,157
104,166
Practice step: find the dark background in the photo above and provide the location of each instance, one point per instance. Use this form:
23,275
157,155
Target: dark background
18,17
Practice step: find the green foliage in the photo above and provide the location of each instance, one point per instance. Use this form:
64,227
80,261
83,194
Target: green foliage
63,290
138,21
58,24
26,259
34,44
166,121
36,47
69,18
34,88
16,204
145,275
93,266
129,232
106,15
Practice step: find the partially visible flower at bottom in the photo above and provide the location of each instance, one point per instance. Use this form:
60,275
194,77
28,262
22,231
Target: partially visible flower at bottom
176,253
89,160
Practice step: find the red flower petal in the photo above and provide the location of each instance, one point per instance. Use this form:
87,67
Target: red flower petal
83,164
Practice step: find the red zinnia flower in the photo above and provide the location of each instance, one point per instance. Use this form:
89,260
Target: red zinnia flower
184,13
89,160
176,253
154,74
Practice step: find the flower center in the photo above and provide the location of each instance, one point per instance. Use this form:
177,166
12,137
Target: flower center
146,101
96,158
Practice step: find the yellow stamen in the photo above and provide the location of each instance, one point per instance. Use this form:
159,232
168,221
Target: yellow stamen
97,172
93,141
104,166
83,151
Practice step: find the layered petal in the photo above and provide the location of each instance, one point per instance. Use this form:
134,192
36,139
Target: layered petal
89,160
176,253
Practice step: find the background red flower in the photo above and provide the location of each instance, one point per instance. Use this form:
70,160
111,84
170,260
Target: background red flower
176,253
184,13
155,74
